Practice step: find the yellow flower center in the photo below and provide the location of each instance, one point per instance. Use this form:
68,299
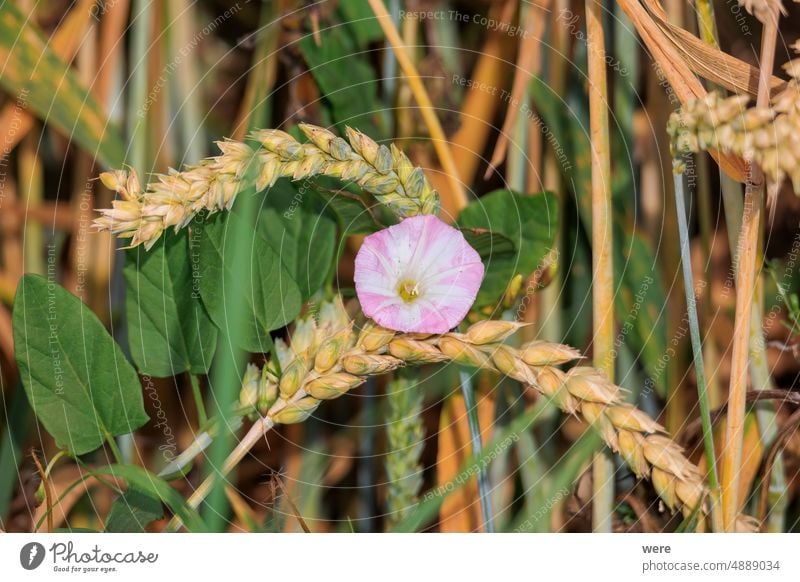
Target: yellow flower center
408,290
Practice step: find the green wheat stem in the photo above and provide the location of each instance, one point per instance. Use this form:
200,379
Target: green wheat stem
484,489
697,346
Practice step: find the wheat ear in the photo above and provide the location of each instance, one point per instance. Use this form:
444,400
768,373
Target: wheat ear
404,434
764,10
326,359
765,135
212,185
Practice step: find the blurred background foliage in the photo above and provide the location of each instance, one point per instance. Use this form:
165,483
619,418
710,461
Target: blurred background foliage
90,85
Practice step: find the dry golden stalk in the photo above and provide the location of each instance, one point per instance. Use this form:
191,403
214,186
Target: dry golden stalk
440,142
174,199
583,391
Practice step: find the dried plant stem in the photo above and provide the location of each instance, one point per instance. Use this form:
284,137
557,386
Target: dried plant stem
602,245
697,352
759,372
440,141
745,288
259,429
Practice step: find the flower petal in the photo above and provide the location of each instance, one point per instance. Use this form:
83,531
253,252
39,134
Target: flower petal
428,254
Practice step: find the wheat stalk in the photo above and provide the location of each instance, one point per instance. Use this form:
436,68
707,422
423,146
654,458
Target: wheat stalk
212,185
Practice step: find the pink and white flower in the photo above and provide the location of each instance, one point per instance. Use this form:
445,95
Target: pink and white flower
419,276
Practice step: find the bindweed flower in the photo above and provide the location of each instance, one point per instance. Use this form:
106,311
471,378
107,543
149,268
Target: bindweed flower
419,276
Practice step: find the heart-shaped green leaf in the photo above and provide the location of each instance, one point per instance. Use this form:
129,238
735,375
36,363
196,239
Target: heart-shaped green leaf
77,379
271,295
170,331
297,227
528,222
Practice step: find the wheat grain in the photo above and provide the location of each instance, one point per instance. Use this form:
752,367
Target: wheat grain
582,391
174,199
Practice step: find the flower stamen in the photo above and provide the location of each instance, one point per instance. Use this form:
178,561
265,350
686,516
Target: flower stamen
408,290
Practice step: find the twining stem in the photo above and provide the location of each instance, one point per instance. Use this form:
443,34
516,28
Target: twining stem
484,489
426,109
697,351
602,245
745,288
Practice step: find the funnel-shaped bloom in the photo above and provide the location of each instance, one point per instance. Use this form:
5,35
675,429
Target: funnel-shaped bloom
420,276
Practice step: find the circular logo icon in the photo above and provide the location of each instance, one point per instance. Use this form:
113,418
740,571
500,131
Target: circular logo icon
31,555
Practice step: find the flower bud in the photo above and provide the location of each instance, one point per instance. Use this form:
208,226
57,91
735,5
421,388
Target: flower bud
512,290
296,411
293,377
542,353
332,385
366,365
488,332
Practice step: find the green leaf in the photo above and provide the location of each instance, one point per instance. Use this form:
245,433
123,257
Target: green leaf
170,331
44,83
528,222
12,436
271,296
147,483
360,19
77,379
300,232
353,214
346,78
487,242
132,511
